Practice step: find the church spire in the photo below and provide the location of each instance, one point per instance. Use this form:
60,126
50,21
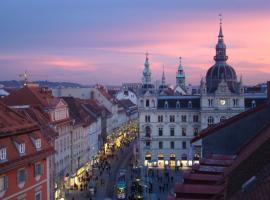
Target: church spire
163,77
146,79
180,75
220,47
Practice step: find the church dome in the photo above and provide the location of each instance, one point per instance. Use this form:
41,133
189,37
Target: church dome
221,70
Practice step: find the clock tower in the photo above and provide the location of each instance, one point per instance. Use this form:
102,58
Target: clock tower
221,95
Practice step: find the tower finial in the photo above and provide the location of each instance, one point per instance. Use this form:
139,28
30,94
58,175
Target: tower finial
180,59
220,19
220,35
163,76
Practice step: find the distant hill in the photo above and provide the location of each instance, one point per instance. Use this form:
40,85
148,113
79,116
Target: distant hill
18,84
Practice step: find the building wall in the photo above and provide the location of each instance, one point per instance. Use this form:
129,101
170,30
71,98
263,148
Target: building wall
32,185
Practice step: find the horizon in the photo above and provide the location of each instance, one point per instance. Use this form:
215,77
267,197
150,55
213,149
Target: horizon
99,41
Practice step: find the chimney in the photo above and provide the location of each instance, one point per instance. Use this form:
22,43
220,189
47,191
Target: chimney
268,91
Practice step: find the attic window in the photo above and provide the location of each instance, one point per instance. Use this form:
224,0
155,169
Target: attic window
38,143
22,148
3,154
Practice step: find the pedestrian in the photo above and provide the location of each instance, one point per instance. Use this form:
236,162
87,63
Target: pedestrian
163,188
171,178
159,188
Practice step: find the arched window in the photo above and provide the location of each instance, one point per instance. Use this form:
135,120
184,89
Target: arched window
223,118
253,104
210,121
166,104
147,131
189,104
177,104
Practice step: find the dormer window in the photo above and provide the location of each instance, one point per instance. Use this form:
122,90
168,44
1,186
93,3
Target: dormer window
3,154
38,143
22,148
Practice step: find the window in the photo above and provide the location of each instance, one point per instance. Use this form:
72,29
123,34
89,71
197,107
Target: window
160,118
195,118
160,131
210,102
22,148
38,143
147,103
210,121
172,145
3,154
38,196
184,118
147,118
166,105
184,132
160,145
235,102
21,176
141,103
223,118
147,144
253,104
147,131
177,104
38,169
3,183
172,118
184,145
196,131
172,131
189,104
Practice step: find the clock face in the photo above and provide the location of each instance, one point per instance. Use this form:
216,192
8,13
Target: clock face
222,102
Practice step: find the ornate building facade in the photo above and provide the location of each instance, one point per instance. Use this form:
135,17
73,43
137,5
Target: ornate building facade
170,118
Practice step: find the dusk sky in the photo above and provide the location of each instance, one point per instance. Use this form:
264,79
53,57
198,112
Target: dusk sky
104,41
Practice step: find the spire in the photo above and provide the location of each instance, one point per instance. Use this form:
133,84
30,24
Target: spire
163,77
146,71
180,75
220,35
220,47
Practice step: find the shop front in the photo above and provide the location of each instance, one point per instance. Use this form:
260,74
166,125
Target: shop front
172,161
184,160
161,162
147,159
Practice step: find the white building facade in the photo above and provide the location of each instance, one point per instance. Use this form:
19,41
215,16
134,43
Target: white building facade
168,120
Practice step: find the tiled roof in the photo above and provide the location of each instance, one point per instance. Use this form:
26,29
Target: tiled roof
106,94
77,112
198,189
210,130
12,134
32,95
11,121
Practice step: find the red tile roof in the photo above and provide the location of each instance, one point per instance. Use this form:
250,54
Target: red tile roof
15,128
197,189
32,95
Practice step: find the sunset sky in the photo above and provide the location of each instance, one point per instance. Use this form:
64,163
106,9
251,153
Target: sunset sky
104,41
